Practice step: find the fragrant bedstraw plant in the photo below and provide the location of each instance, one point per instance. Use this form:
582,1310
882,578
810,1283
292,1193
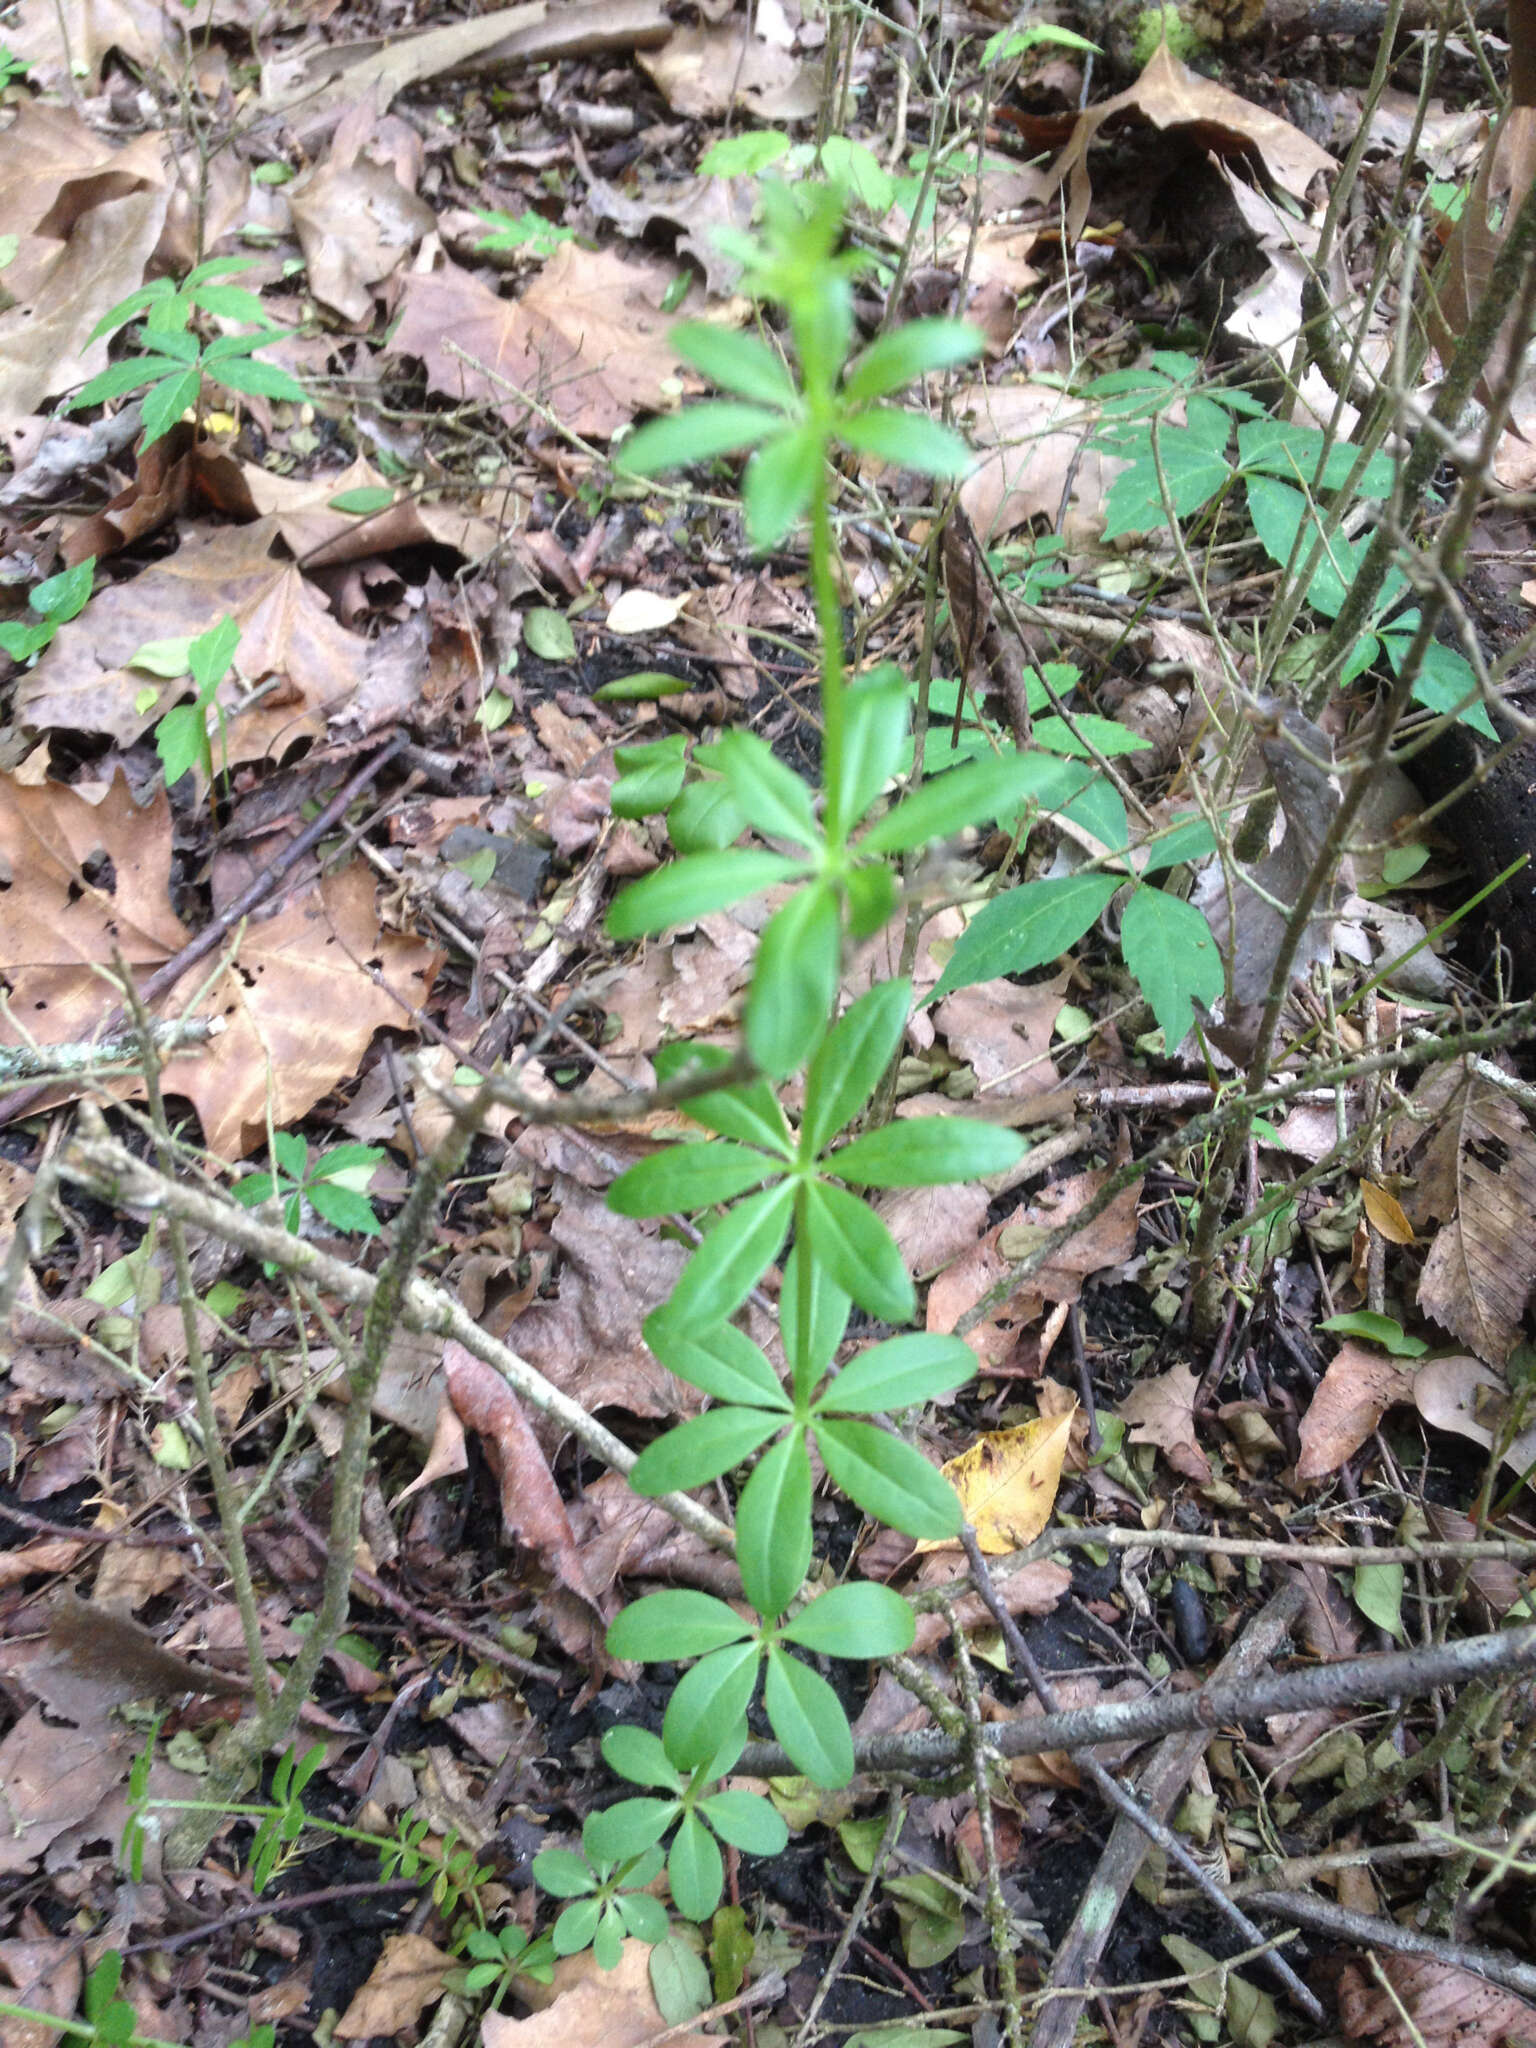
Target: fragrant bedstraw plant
763,1181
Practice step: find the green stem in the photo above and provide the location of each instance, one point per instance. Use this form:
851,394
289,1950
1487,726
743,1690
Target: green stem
829,627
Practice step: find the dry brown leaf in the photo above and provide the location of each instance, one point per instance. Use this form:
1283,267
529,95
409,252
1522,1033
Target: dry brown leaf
1495,1582
45,1974
587,337
1482,1264
300,1006
1004,1031
1385,1212
1007,1482
1170,96
1358,1388
586,2007
706,70
143,30
401,1985
1430,2005
1470,1398
301,511
1161,1411
1040,458
532,1511
587,1340
288,639
356,223
54,1776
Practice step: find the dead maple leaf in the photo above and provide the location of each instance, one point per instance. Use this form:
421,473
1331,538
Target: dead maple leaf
706,70
1161,1411
1169,96
587,337
404,1981
355,220
288,640
1007,1482
87,217
299,1005
1358,1388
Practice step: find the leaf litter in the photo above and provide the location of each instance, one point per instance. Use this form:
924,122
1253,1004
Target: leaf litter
444,484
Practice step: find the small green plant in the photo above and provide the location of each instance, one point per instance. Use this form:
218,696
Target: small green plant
182,738
526,230
608,1900
56,600
110,2021
496,1958
172,362
12,67
333,1184
1297,483
699,1813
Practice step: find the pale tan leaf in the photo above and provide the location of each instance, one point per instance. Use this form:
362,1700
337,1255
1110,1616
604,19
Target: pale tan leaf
1358,1388
705,70
588,2007
404,1981
1470,1398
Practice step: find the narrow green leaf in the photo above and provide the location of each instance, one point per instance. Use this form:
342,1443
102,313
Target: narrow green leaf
120,378
676,1623
779,483
807,1717
737,362
858,1252
734,1257
749,1111
694,1870
926,1152
690,888
747,1822
701,1449
704,818
772,798
773,1526
64,596
794,979
900,1373
644,1917
1379,1595
909,439
907,353
876,720
697,435
723,1361
991,788
850,1061
856,1620
1187,839
650,777
1172,952
743,156
627,1829
643,687
637,1754
811,1321
888,1479
708,1701
208,659
1025,928
687,1177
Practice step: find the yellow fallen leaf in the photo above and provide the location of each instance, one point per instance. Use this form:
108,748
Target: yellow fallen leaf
1386,1213
1007,1482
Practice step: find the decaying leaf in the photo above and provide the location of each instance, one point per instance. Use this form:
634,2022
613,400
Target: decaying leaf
404,1981
1477,1174
586,2007
1430,2005
1007,1482
1161,1411
1464,1395
1358,1388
